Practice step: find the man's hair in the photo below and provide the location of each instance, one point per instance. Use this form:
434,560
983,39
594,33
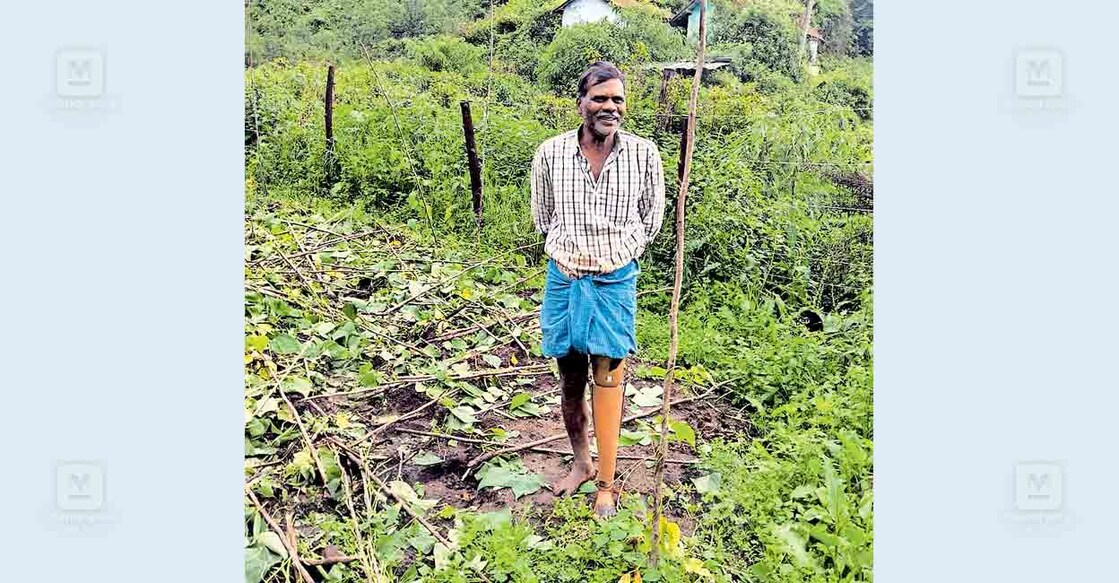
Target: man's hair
599,72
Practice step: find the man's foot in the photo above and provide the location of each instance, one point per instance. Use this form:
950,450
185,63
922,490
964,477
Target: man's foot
581,473
605,502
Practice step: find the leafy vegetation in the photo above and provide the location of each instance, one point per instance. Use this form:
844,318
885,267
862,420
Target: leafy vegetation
389,340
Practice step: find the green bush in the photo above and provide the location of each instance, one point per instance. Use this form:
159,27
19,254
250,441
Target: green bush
447,53
846,87
649,38
576,47
519,53
772,44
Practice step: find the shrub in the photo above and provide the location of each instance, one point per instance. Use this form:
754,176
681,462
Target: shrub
447,53
846,87
772,43
650,38
573,49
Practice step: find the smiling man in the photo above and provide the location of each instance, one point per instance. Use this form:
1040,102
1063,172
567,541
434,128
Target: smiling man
598,196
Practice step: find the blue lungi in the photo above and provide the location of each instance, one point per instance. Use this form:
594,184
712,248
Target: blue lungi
594,314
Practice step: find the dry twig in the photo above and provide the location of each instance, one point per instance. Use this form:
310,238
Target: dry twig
292,553
306,437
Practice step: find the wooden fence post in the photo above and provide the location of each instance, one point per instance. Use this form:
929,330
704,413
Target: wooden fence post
472,161
663,106
329,161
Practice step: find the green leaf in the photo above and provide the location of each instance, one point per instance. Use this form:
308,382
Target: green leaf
257,343
443,555
793,544
404,492
683,431
708,484
519,399
284,344
500,474
530,410
422,541
426,458
332,470
258,561
297,385
539,543
334,350
866,507
464,413
350,311
819,533
492,360
648,396
802,491
370,378
461,368
323,328
344,330
527,484
256,427
272,540
628,438
493,520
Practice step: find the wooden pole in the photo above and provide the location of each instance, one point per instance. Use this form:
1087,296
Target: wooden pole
329,103
472,161
674,308
663,106
328,122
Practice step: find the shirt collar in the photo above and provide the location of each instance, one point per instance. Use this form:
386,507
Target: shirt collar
618,147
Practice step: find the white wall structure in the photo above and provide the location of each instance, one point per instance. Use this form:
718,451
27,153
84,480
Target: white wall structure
581,11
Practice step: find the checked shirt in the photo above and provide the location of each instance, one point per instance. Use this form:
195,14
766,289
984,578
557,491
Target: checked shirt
597,227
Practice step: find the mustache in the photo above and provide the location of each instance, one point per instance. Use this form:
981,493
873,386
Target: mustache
613,116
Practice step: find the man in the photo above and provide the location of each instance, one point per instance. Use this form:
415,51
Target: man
598,195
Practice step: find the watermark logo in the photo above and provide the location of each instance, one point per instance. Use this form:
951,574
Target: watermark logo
81,82
1038,503
1039,73
1038,89
1038,487
80,501
79,486
79,73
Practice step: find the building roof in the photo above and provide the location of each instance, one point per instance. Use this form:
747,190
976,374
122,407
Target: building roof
618,3
689,66
681,18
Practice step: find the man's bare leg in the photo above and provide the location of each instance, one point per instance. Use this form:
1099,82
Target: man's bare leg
576,419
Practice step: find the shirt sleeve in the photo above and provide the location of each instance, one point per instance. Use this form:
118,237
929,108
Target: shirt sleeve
651,204
543,199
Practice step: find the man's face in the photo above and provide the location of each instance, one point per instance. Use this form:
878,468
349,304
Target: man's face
603,107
